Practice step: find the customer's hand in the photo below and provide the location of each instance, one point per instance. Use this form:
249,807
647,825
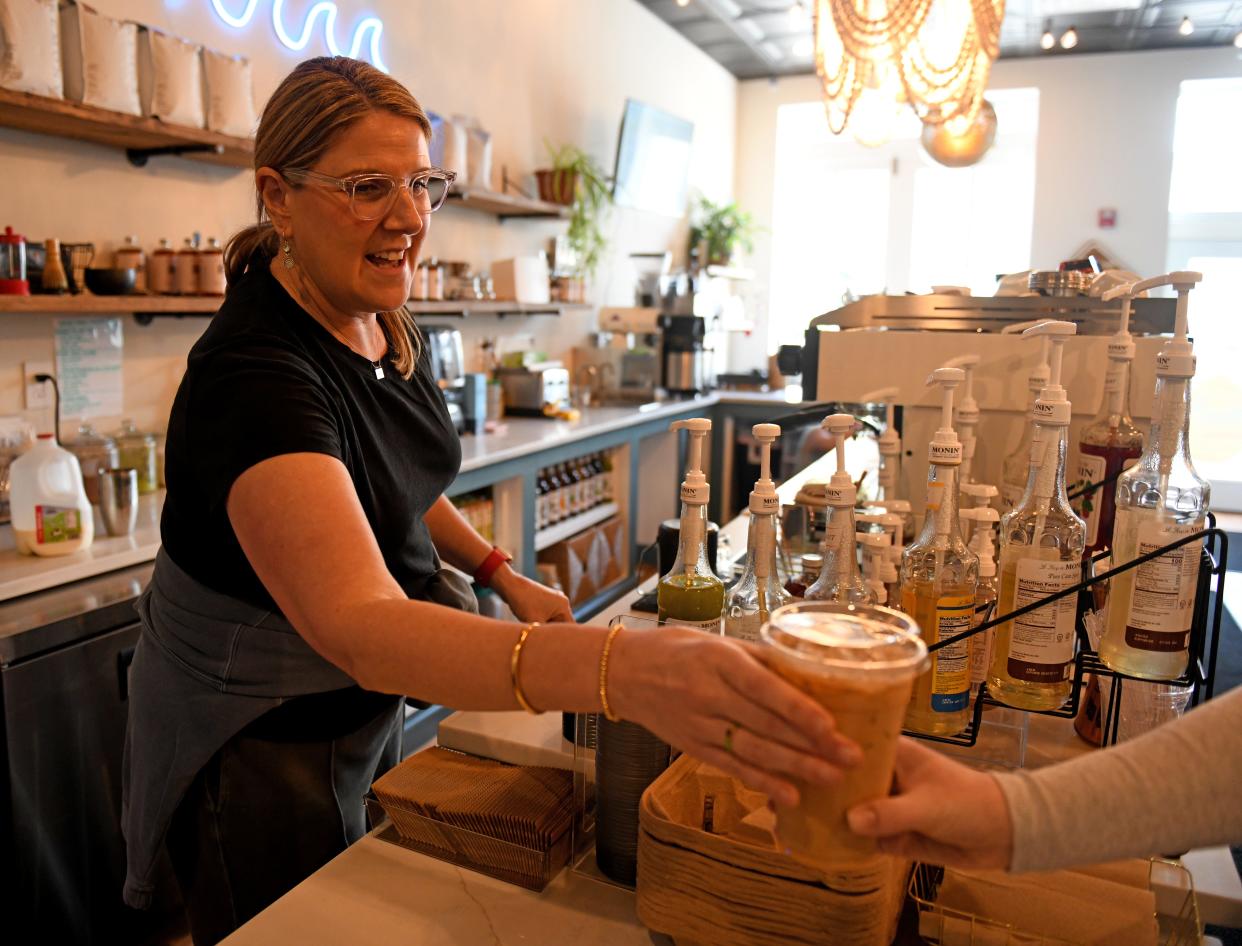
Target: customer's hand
940,811
713,698
529,600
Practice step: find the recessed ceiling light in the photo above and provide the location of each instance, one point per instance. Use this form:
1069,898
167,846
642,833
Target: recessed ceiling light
803,47
1069,39
1047,41
1186,27
683,3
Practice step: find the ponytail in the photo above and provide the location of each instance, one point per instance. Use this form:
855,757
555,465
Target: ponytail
251,246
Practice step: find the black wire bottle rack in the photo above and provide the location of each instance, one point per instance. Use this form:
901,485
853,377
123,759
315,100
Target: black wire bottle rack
1204,643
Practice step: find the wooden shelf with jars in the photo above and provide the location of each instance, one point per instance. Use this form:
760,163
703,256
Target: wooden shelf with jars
89,304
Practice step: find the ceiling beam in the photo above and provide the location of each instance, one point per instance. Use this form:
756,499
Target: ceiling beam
729,15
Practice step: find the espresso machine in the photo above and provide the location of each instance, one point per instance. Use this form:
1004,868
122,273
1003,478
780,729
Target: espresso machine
683,359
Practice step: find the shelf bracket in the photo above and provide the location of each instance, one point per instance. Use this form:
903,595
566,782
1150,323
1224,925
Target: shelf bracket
138,157
146,318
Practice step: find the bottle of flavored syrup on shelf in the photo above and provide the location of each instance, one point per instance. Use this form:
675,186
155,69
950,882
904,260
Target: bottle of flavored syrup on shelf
939,575
1160,499
758,592
1041,553
1111,442
839,579
691,594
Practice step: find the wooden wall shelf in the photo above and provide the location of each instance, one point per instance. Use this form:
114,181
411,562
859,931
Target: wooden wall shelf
504,206
463,307
140,305
102,126
87,304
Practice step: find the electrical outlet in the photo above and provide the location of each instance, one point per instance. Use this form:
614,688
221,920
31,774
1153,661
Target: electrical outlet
38,393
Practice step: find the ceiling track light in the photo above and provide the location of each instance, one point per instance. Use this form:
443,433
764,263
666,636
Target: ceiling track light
1186,27
1069,39
683,3
1047,41
1237,40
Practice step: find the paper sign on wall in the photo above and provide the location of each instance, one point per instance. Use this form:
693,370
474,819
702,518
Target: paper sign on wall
88,367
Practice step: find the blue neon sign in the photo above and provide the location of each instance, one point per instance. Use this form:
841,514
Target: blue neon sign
370,26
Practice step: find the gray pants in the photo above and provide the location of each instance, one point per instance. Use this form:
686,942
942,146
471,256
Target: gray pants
262,816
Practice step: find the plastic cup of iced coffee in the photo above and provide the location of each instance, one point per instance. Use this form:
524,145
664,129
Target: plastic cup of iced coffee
860,664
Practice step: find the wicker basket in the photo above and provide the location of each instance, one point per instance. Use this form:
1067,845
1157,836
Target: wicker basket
729,886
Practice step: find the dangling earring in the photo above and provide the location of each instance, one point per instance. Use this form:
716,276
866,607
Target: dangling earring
287,248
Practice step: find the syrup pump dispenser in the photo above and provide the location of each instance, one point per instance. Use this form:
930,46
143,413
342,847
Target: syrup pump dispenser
893,527
938,578
839,579
1015,467
890,459
1041,551
1111,441
967,413
981,543
691,594
1160,499
759,591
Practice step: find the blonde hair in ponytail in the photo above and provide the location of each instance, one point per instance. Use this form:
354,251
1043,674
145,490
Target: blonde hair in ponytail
315,103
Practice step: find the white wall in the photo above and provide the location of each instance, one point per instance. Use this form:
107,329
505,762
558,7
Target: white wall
558,70
1105,140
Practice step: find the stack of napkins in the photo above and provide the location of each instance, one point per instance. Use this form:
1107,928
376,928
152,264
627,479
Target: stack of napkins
456,805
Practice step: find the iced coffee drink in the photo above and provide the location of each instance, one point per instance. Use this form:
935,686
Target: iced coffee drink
859,663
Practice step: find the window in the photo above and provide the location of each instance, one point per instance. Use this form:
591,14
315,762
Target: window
849,220
1205,235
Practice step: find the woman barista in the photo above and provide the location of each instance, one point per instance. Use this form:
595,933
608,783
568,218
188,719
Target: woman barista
299,587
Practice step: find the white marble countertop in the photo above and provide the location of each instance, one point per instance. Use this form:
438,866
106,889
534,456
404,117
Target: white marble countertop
522,436
25,574
383,895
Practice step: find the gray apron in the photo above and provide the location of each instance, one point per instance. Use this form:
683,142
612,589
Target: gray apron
206,666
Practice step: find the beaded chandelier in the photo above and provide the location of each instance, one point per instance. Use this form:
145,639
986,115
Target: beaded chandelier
934,55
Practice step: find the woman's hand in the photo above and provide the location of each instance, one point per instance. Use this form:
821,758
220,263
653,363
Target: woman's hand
529,600
714,699
940,811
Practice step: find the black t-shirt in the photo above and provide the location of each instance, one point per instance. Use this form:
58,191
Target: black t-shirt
266,379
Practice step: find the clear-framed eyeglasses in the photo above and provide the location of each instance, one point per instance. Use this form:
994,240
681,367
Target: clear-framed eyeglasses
372,196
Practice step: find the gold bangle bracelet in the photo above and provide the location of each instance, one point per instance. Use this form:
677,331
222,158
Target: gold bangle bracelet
515,661
603,675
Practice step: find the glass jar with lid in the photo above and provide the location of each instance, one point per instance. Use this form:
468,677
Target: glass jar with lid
137,450
95,452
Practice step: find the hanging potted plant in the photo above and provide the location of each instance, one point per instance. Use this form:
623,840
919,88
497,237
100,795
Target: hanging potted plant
720,229
576,181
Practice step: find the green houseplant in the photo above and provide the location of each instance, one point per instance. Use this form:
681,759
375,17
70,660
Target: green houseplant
576,180
723,228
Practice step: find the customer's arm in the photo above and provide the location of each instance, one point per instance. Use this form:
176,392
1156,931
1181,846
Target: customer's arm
304,532
463,548
1170,790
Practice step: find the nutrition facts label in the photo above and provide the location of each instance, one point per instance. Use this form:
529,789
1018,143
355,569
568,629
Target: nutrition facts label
951,665
1042,644
1164,589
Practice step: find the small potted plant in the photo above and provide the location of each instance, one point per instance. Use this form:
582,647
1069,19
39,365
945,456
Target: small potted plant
576,181
721,229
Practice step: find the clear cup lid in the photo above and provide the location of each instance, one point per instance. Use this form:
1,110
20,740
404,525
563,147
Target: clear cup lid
843,638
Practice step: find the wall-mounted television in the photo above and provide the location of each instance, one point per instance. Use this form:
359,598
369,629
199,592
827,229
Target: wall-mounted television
653,160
